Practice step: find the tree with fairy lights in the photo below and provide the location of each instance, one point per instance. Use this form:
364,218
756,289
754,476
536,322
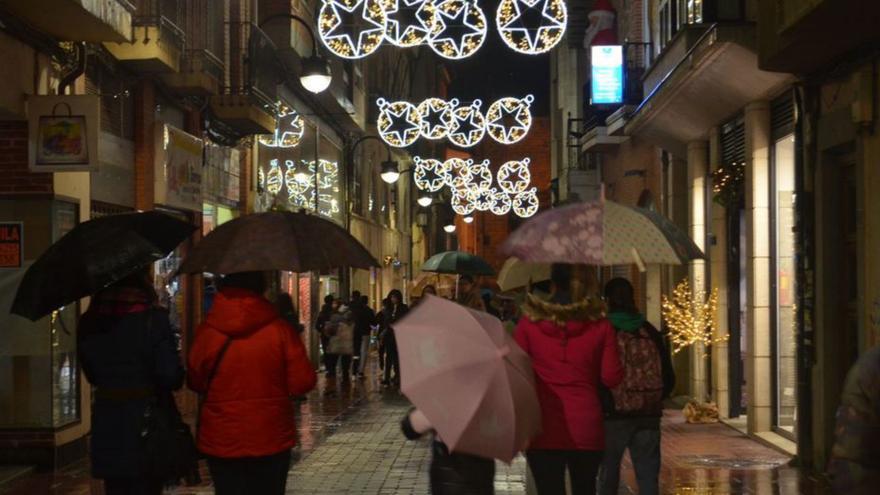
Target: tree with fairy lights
691,317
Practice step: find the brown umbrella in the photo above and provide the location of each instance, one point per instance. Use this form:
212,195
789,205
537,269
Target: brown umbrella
296,242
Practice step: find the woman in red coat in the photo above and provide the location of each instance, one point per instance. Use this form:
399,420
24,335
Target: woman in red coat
258,363
573,350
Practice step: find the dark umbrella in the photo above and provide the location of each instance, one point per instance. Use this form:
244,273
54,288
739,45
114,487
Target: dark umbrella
296,242
458,262
93,255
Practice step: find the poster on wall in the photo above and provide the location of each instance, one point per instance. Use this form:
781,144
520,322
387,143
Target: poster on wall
178,173
607,75
11,244
63,133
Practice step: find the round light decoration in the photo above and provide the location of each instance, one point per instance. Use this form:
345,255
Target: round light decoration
296,181
274,178
514,176
409,21
399,123
501,203
352,28
481,175
458,28
457,172
462,203
483,199
469,125
525,204
516,22
430,174
288,131
508,120
436,117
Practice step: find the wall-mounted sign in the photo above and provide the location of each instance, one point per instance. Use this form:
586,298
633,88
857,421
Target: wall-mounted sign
607,75
63,133
11,244
179,164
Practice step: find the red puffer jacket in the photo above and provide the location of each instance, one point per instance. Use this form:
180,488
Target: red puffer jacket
573,349
248,411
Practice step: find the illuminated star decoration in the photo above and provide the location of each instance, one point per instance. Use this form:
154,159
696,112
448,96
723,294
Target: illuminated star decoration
437,118
481,175
459,28
514,176
483,199
525,204
289,129
508,120
409,21
469,125
531,26
458,173
352,28
429,174
501,202
399,123
462,203
274,178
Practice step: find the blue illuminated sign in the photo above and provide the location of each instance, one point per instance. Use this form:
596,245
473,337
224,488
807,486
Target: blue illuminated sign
607,72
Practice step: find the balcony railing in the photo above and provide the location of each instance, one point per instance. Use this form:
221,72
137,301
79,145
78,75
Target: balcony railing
200,60
167,15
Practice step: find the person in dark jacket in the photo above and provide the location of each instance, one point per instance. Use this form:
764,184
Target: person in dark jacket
323,317
289,313
451,473
128,351
364,319
639,432
394,311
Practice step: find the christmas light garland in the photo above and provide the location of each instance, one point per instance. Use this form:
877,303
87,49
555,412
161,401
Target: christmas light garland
518,32
338,18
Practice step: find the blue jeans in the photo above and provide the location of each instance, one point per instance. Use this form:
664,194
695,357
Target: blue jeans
642,437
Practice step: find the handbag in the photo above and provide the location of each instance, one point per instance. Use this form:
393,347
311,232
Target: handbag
342,342
168,451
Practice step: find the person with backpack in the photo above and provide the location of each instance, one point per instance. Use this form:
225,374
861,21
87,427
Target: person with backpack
633,408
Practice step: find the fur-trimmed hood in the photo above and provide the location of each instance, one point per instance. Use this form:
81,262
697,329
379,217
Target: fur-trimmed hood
539,310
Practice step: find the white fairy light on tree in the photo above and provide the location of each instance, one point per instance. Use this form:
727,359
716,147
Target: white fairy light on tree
508,120
691,317
515,21
352,29
459,28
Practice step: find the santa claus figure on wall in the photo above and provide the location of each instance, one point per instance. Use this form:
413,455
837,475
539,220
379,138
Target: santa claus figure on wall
603,28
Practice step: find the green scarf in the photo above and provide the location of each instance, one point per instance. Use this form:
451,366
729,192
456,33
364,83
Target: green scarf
628,322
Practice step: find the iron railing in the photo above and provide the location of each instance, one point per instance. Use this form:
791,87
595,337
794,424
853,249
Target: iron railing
167,15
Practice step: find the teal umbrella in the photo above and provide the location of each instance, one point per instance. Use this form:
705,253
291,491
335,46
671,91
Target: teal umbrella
457,262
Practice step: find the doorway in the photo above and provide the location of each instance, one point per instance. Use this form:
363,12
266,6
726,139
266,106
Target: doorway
737,294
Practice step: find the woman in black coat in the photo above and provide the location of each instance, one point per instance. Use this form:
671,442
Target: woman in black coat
394,311
129,352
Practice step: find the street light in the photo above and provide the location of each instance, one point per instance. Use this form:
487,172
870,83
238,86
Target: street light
449,228
424,199
315,73
468,219
389,173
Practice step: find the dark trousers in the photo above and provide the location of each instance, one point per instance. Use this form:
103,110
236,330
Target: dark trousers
642,437
460,474
249,475
343,360
132,486
548,469
392,361
356,359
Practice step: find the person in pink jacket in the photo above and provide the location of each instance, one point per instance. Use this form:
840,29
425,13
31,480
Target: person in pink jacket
573,350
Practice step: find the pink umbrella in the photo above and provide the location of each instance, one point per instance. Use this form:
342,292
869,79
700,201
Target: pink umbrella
469,378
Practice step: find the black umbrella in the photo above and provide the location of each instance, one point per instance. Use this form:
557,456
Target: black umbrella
93,255
296,242
458,262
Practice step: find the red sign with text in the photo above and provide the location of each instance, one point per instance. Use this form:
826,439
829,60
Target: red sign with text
11,245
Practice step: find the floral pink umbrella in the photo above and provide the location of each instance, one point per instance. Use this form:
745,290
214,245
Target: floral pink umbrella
601,233
469,378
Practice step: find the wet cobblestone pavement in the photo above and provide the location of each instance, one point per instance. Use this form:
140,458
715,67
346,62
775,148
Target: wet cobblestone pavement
350,443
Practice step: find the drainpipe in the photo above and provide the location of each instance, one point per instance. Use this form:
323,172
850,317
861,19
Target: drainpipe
77,71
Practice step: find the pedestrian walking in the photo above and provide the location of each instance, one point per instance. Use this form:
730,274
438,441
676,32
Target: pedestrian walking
451,473
394,311
633,408
364,319
340,346
288,312
323,317
854,465
487,303
129,352
469,293
573,351
380,331
247,364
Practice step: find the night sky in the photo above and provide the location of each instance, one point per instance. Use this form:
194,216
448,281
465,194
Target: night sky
496,71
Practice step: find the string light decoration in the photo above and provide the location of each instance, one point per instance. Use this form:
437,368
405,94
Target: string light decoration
515,20
429,174
289,129
436,117
469,125
501,203
409,22
481,175
483,199
295,180
399,123
508,120
728,184
462,202
352,29
261,179
525,204
274,178
514,176
458,28
691,317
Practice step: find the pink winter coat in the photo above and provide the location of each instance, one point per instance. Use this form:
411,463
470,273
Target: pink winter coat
573,350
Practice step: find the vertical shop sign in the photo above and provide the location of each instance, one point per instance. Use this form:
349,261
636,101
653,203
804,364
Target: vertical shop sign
607,75
11,244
